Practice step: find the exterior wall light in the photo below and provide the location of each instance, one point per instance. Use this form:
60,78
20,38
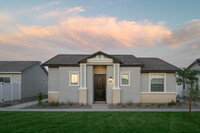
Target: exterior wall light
110,79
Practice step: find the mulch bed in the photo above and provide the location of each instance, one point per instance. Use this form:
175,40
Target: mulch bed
153,106
46,105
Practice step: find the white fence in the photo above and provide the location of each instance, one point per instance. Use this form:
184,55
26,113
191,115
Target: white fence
10,91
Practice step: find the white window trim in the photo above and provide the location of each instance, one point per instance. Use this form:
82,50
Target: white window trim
2,76
129,78
72,72
150,82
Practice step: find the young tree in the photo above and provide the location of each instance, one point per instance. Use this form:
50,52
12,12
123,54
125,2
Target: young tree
187,76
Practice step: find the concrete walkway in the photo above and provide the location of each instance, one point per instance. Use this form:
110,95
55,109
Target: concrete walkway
95,108
19,106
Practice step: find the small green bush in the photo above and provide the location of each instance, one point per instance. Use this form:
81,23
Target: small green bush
69,103
53,104
40,97
138,104
152,104
172,103
118,104
82,104
146,105
129,103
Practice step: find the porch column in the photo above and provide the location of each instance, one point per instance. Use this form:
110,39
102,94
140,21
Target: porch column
83,88
116,90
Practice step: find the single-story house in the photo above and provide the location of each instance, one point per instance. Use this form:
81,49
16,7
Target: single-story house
22,79
194,66
113,79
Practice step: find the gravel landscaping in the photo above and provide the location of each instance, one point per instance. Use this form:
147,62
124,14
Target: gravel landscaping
55,105
171,105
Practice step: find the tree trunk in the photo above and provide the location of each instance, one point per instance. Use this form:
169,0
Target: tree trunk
190,100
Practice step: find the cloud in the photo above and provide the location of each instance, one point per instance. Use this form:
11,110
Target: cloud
188,33
37,8
63,12
5,17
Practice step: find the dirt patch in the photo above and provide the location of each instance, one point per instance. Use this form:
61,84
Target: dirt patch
16,102
153,106
46,105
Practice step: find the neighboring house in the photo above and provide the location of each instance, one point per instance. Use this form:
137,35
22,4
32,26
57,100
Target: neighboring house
194,66
110,78
22,79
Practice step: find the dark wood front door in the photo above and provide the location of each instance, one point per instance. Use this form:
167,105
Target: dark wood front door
99,87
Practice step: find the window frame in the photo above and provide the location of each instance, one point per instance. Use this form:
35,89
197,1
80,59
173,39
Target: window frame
129,78
74,72
164,75
2,76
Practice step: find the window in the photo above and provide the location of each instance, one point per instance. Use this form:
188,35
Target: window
74,79
125,79
157,83
5,79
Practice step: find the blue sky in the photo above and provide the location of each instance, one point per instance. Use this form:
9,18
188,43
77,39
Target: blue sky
38,30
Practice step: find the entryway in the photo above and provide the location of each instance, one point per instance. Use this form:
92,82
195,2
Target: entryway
99,87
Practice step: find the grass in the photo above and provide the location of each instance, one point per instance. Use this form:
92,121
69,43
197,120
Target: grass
100,122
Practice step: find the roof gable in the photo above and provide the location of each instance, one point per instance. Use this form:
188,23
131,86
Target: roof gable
115,60
197,61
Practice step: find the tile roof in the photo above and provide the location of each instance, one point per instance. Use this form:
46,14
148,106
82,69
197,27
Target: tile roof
147,64
16,66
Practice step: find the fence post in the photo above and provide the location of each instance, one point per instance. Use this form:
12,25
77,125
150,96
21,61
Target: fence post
20,91
12,91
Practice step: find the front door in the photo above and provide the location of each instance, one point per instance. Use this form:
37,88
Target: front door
99,87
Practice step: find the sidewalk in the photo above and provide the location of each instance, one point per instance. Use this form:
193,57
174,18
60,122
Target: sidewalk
95,108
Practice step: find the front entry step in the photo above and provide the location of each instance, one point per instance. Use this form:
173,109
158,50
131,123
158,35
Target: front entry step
99,106
100,102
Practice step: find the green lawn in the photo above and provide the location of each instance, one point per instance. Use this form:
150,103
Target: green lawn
147,122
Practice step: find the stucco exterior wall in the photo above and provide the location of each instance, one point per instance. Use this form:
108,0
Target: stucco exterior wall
53,78
170,82
132,92
90,84
34,80
15,77
67,92
161,97
109,85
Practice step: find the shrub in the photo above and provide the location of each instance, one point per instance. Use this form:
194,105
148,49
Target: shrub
152,104
69,103
138,104
129,103
40,97
82,104
172,103
53,104
146,105
118,104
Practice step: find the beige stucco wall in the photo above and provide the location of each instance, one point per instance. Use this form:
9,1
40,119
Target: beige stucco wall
157,97
99,69
15,77
116,96
53,97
